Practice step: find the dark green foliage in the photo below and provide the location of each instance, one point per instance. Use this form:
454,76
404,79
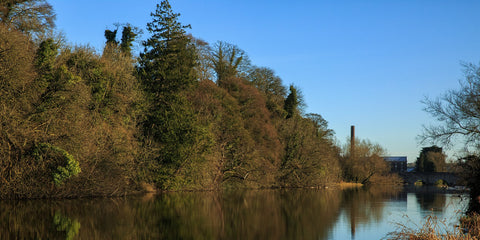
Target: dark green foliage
168,61
64,168
167,70
111,36
431,159
46,54
291,103
470,173
129,35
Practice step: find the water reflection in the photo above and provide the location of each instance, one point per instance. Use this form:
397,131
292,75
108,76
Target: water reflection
428,201
361,206
262,214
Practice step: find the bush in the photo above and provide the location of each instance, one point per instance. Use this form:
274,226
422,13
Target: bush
68,167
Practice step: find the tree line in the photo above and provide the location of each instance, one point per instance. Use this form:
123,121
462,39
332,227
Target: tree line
183,115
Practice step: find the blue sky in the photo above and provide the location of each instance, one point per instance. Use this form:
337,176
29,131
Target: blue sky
362,63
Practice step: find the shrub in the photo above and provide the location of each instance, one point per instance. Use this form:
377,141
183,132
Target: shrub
68,166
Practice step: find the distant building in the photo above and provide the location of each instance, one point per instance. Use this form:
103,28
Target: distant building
397,164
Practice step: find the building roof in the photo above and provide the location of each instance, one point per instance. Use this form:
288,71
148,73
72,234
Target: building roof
396,159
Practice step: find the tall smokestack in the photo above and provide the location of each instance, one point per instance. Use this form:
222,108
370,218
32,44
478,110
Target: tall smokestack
352,140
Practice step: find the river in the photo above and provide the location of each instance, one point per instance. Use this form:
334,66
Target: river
241,214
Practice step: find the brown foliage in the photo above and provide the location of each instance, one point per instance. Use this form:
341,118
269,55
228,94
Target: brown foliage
365,164
310,160
16,98
247,145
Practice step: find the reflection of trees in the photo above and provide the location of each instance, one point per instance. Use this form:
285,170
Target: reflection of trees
309,214
430,202
35,220
67,225
363,206
284,214
263,214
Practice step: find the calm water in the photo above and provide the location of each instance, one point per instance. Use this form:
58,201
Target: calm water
262,214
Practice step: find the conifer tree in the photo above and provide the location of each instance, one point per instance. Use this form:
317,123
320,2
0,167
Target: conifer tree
167,71
168,61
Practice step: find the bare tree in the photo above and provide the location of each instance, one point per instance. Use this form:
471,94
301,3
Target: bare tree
34,17
228,61
458,111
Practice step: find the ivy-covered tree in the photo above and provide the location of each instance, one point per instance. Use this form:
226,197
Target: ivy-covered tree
110,36
292,102
129,34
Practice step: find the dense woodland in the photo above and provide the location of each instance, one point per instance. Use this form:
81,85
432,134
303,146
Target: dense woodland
181,114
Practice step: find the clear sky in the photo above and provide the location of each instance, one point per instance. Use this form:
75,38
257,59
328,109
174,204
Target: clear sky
362,63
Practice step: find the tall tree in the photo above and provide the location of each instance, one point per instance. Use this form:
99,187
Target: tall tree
168,61
167,70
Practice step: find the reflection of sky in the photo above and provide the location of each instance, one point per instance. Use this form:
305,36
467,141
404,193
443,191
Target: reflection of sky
408,212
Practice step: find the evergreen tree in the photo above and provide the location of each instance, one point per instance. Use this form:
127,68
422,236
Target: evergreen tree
167,70
168,61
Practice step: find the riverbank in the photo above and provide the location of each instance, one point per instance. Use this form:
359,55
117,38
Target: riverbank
435,229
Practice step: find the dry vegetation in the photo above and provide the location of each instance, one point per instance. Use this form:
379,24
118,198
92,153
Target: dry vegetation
184,115
434,228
